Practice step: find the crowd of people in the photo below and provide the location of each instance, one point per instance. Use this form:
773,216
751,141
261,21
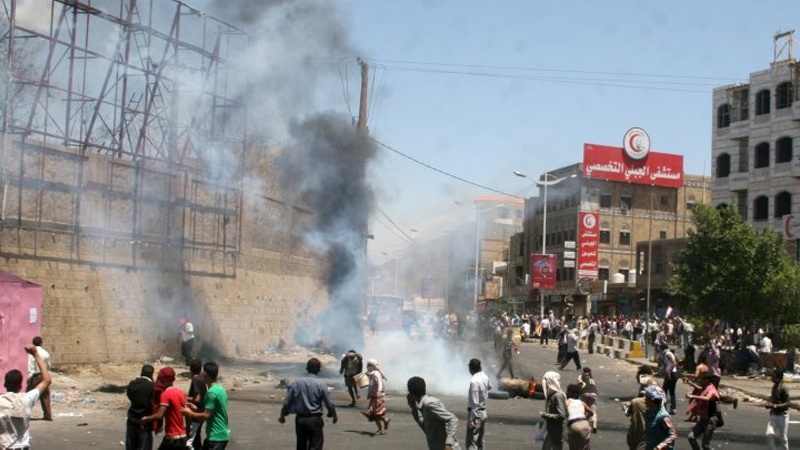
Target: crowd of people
570,414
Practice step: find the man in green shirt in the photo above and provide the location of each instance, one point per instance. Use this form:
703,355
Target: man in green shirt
778,425
216,410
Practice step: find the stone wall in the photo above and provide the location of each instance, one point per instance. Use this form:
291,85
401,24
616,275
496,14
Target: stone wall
126,248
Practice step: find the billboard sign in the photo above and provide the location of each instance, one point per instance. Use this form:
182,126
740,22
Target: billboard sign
602,162
588,245
543,271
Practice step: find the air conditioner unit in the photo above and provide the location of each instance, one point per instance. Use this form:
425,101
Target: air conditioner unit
623,208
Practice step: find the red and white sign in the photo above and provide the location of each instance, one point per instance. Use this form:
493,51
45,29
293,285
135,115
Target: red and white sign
602,162
636,143
543,271
791,227
588,245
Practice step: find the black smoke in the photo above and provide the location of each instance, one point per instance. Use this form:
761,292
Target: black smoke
326,170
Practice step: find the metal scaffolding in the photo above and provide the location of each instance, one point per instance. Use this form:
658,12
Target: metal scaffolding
135,79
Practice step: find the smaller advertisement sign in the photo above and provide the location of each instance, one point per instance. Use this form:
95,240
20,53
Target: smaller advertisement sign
588,245
543,271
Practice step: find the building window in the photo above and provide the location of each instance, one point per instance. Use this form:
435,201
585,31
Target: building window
744,155
625,235
762,102
663,200
602,271
605,233
662,234
740,99
691,203
760,209
762,155
723,165
783,95
625,200
624,269
605,199
724,116
503,213
783,204
783,150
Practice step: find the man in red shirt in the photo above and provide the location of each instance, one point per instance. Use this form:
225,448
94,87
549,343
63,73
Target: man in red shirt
169,400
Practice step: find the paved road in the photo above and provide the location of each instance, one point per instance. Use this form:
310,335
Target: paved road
253,414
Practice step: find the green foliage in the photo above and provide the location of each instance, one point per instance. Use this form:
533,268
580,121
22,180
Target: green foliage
790,336
731,271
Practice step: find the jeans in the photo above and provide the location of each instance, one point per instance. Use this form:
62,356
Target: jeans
778,426
670,380
704,428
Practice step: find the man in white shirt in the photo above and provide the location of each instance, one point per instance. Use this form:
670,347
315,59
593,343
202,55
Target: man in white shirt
765,346
35,376
479,387
187,340
19,405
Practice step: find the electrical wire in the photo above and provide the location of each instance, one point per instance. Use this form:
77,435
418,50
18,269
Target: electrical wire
436,169
586,72
394,230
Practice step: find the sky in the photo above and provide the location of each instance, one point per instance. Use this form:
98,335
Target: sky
586,72
480,89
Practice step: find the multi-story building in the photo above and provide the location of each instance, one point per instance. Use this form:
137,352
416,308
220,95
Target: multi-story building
755,127
597,212
497,218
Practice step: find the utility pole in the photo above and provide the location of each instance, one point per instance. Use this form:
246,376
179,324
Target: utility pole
361,126
362,107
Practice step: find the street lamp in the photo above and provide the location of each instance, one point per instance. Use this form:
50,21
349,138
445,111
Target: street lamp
544,181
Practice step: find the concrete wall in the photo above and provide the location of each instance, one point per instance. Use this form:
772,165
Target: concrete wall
123,249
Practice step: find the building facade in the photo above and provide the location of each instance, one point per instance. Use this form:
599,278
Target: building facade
626,213
756,125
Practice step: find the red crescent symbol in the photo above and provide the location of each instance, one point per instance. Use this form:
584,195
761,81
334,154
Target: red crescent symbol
632,138
787,228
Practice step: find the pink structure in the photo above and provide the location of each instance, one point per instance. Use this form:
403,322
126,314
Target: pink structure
20,320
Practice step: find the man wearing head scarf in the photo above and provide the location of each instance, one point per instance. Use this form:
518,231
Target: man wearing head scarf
438,424
376,411
555,412
352,365
660,432
168,401
479,387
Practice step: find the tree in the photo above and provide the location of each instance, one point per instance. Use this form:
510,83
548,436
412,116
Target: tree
731,271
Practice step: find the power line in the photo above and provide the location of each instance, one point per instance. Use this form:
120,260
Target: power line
394,230
587,72
435,169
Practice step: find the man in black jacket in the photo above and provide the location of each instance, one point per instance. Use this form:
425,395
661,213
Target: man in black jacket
140,394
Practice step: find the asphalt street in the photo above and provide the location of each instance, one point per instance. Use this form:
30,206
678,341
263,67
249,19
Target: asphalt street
254,412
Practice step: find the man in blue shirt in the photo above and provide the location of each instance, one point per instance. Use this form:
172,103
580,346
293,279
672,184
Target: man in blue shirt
305,399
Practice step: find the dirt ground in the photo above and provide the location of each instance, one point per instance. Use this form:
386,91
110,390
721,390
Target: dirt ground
88,388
